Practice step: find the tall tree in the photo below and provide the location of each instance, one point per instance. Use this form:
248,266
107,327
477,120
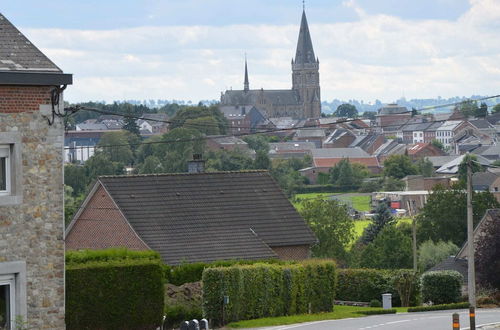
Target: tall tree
437,144
444,216
346,110
382,218
496,108
330,222
399,166
130,122
187,114
430,254
482,111
468,108
462,168
425,167
488,255
116,146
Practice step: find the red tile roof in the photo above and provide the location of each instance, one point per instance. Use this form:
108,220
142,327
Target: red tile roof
330,162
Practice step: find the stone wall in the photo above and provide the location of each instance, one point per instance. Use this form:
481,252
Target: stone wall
31,231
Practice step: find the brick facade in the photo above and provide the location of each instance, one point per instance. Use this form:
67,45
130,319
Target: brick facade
31,229
293,252
101,225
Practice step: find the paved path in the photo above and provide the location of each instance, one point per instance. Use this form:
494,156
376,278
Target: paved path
438,320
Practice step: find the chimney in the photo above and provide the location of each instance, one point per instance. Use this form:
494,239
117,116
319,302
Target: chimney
197,165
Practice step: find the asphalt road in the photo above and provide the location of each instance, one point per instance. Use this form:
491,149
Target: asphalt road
438,320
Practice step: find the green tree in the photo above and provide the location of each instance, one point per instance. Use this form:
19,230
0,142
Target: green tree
75,176
496,108
468,108
257,142
482,111
130,122
228,160
183,116
444,216
116,146
330,222
399,166
151,165
462,168
369,115
346,110
101,164
262,161
437,144
393,184
425,167
177,148
285,172
391,249
382,218
347,175
207,125
430,254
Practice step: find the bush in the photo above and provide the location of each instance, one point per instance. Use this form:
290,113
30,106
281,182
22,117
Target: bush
88,256
375,303
118,294
264,290
368,284
378,311
178,313
188,273
441,287
327,188
438,307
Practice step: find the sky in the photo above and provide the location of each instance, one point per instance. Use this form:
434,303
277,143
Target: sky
194,49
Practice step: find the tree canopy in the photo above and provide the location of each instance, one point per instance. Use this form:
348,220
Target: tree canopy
207,120
399,166
346,110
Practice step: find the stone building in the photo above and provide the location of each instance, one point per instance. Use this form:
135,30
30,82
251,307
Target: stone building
31,185
300,102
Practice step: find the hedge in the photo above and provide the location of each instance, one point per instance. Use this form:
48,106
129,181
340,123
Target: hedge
118,294
192,272
378,311
439,307
441,287
265,290
327,188
369,284
85,256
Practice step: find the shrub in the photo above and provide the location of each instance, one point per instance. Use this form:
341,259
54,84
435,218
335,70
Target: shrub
192,272
439,307
87,256
375,303
486,301
118,294
369,284
178,313
441,287
263,290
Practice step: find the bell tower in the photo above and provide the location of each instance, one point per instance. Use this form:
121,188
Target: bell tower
305,73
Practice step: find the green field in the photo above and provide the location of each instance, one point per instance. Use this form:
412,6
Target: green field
340,312
359,203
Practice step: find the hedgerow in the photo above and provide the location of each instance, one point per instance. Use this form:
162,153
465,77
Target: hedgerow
441,287
439,307
86,256
263,290
365,285
116,294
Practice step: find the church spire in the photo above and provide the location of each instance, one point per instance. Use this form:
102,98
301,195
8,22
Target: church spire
246,84
305,51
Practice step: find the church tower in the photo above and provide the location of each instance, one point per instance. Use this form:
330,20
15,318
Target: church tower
305,73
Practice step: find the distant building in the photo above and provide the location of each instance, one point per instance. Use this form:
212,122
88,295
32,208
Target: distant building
392,115
302,101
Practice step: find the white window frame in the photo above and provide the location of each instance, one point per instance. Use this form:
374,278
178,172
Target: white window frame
10,281
5,153
14,194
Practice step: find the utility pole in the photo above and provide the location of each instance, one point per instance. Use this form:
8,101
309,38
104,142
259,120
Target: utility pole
470,238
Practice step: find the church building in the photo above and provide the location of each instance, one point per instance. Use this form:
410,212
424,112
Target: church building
301,102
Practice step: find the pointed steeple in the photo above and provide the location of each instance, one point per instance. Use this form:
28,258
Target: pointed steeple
305,51
246,84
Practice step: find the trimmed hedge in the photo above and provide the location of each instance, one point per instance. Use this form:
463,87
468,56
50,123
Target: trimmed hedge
378,311
118,294
441,287
85,256
326,188
188,273
369,284
264,290
439,307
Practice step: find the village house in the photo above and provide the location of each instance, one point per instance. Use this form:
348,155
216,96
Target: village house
31,184
192,217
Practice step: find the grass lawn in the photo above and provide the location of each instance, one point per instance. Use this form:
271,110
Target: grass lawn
340,312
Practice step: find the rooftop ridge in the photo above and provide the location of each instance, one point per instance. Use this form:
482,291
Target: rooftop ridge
181,174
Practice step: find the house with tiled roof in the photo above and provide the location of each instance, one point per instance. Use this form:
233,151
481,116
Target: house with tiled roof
31,190
192,217
422,150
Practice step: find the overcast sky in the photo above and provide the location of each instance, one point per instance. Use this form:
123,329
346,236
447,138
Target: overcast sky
194,49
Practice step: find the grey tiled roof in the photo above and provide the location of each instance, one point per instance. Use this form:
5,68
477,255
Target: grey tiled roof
17,53
339,153
305,51
279,96
209,216
483,180
452,263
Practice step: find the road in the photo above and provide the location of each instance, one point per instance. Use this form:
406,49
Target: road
438,320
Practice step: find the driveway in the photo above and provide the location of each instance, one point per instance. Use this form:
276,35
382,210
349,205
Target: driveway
437,320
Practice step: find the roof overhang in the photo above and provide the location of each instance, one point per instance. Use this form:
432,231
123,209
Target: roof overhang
35,78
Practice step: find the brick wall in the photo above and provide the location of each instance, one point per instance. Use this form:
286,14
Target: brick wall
292,252
23,98
32,231
101,225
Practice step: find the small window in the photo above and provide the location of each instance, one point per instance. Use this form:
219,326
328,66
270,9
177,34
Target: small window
7,302
5,169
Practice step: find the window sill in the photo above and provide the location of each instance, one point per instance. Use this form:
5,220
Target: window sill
8,200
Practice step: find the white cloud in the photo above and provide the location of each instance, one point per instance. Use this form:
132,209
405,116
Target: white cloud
377,56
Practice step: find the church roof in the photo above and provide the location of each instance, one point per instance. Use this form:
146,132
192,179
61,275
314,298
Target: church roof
305,51
276,96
